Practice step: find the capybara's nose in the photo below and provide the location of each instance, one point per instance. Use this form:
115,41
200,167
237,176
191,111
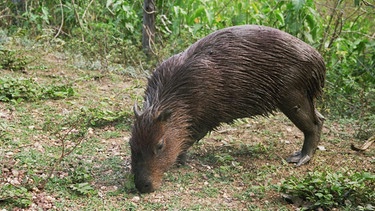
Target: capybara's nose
144,186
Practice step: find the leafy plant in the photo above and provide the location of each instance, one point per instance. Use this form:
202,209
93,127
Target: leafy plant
15,195
100,116
3,131
333,189
79,178
16,90
83,188
10,61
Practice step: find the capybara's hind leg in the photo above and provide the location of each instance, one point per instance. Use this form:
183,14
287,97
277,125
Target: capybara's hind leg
300,110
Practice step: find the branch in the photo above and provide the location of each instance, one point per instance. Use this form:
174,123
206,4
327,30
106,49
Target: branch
150,41
336,30
62,21
322,41
76,14
84,13
368,4
63,154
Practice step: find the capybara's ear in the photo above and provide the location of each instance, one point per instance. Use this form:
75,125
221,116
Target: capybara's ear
136,110
164,115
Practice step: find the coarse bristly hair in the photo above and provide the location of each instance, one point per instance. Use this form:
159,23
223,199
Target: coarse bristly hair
236,72
233,73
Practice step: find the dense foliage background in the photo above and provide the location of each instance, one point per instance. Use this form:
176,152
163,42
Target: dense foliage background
106,35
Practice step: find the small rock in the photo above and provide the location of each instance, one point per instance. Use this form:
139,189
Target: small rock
136,199
9,153
2,115
14,181
285,141
15,172
321,148
90,131
50,198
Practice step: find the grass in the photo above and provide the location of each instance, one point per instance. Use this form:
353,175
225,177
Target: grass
239,166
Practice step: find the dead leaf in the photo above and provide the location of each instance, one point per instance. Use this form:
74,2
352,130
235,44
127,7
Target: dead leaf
365,146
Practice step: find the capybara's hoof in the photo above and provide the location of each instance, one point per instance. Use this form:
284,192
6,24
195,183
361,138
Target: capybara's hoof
298,158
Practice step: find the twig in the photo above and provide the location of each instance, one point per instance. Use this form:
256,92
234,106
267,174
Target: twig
337,30
84,13
150,41
222,8
3,11
76,14
368,4
63,154
365,146
324,38
62,21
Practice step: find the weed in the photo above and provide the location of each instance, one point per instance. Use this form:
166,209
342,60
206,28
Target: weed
111,134
333,189
10,61
17,196
100,116
4,134
208,191
17,90
83,188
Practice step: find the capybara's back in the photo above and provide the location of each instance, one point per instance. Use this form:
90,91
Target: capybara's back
244,71
233,73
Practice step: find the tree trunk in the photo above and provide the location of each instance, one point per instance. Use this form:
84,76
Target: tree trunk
148,32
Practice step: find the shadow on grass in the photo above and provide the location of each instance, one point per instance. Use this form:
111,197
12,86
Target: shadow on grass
247,154
114,171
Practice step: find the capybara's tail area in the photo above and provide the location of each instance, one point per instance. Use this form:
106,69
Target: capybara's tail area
316,82
315,89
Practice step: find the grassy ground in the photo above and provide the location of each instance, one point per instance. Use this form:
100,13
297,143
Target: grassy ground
239,166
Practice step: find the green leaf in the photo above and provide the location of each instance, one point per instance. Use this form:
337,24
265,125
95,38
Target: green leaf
298,4
109,2
209,15
196,14
280,17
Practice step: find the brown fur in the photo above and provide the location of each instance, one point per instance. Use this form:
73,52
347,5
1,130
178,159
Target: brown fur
232,73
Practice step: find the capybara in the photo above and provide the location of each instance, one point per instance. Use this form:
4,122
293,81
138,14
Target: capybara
236,72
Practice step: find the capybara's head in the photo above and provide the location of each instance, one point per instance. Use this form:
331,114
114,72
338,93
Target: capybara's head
156,142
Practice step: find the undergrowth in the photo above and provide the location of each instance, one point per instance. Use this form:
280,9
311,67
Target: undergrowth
9,60
329,189
27,89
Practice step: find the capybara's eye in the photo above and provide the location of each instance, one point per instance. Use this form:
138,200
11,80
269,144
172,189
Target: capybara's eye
159,146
